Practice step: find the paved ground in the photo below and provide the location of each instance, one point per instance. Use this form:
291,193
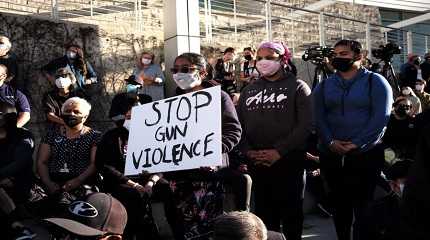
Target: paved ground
318,228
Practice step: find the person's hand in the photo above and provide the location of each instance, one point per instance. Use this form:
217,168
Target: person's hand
253,155
147,189
316,173
243,168
6,182
350,146
235,98
340,147
312,157
71,185
208,169
268,157
52,187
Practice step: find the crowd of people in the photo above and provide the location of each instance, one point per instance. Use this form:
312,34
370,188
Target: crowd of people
357,146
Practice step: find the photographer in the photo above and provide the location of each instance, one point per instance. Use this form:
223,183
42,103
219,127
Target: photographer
351,108
225,71
401,131
409,71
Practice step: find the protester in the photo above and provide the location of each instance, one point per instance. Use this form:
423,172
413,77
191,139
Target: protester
401,134
425,68
416,195
225,70
110,160
16,149
352,109
9,94
416,103
409,71
98,216
74,61
423,96
150,77
248,71
54,99
8,59
66,158
276,114
197,195
239,226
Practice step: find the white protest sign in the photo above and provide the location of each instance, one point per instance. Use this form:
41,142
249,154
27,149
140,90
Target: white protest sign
177,133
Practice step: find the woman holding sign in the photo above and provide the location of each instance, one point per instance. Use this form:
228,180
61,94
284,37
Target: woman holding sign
198,194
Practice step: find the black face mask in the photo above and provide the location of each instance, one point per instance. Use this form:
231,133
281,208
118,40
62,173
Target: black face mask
248,57
417,62
71,120
342,64
402,111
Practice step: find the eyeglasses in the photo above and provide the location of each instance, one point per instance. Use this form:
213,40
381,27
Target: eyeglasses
182,69
405,106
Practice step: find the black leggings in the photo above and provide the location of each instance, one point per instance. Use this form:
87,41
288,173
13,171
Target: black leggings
351,181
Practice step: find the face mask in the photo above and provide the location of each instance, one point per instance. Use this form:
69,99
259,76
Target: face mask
71,55
402,111
3,46
268,68
419,87
186,81
146,61
406,92
71,120
248,57
417,62
62,82
127,124
401,187
342,64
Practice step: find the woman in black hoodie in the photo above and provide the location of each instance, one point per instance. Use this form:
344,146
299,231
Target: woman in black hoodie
197,194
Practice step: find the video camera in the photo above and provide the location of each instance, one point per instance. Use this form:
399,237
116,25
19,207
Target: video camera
386,53
317,54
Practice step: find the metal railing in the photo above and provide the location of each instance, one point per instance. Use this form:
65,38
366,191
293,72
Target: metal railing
133,15
241,23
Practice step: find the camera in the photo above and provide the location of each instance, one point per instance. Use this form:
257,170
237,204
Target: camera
386,52
317,54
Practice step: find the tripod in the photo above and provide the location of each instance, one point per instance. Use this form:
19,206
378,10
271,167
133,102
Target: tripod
320,74
390,75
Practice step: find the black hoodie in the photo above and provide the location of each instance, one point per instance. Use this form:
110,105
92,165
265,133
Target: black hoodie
275,114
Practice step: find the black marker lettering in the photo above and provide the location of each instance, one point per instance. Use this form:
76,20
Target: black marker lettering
208,97
179,108
207,140
154,107
136,162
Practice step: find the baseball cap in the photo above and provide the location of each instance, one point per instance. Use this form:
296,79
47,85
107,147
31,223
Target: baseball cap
97,215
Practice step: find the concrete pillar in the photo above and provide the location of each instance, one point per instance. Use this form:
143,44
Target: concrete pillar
181,34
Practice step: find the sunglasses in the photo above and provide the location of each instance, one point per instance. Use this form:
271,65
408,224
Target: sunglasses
183,69
405,106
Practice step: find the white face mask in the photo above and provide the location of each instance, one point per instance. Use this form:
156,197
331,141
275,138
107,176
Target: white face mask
419,87
4,46
62,82
146,61
127,124
71,54
401,187
268,67
406,92
187,81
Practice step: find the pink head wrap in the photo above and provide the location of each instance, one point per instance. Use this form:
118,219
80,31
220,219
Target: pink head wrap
280,48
